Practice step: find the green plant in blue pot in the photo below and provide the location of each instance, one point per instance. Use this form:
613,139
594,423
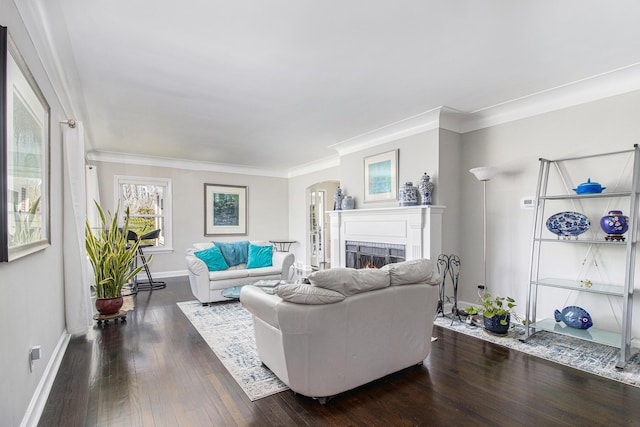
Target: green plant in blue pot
496,312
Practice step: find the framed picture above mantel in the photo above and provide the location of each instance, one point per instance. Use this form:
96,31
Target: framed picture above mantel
225,209
24,157
381,177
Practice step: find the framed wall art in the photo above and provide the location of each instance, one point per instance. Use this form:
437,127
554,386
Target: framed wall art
225,209
381,177
24,157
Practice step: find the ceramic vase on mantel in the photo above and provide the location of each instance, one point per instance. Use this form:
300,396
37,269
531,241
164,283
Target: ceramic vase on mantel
337,199
348,203
426,189
408,194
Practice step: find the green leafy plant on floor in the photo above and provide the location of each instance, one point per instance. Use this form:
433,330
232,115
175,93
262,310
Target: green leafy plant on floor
495,306
112,256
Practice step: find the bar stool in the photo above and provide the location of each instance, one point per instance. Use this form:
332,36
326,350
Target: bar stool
149,284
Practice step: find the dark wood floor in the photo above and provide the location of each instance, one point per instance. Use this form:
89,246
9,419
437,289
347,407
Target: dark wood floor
156,370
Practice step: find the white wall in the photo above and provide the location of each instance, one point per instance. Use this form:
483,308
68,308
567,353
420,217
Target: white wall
267,204
606,125
448,189
417,154
32,287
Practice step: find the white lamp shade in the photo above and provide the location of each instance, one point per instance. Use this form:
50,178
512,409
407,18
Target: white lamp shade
484,173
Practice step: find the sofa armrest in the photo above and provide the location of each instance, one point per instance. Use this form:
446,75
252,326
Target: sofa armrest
284,260
198,278
260,304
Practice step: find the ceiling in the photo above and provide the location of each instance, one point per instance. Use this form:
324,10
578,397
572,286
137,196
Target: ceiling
274,84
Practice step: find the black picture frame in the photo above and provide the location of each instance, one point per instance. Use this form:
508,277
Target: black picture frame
25,132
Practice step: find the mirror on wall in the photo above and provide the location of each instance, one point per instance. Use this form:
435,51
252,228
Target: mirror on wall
320,201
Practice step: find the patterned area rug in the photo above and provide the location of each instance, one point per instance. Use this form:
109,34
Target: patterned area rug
228,329
587,356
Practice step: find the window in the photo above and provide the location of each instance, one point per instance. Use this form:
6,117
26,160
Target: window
149,203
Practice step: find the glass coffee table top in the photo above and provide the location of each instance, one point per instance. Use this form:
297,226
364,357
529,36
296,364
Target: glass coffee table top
266,285
233,292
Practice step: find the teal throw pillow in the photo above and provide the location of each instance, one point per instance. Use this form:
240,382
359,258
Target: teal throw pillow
260,256
235,252
213,258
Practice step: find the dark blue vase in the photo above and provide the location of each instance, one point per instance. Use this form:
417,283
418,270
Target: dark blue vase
615,225
492,324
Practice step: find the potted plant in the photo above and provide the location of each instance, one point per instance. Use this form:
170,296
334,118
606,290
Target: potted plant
496,312
112,257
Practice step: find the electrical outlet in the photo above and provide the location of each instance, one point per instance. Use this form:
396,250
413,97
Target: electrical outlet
480,286
35,353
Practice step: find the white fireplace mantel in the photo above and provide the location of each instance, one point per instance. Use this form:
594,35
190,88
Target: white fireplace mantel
419,228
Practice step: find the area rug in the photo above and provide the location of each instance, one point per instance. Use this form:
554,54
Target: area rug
128,303
587,356
228,329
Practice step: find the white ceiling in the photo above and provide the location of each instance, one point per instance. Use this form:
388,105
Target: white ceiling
273,84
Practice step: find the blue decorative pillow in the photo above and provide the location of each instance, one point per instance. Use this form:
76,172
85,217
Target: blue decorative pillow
235,252
260,256
213,258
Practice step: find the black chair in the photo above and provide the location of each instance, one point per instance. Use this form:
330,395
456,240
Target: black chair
149,284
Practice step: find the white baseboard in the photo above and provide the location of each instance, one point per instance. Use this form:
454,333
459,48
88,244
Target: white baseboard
39,399
164,274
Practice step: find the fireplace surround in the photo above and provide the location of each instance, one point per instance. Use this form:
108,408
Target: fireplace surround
417,228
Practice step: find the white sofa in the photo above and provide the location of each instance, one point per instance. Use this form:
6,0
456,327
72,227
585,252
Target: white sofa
347,328
207,286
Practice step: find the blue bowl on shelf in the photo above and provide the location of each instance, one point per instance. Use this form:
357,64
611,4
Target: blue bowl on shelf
589,188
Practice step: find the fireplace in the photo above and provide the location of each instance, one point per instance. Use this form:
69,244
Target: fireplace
417,230
372,254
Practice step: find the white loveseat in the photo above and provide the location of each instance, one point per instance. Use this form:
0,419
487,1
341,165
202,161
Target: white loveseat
207,286
347,328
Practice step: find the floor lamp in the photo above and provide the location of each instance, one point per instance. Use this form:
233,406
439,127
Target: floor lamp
484,174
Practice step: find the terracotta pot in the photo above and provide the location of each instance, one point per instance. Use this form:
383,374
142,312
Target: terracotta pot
109,305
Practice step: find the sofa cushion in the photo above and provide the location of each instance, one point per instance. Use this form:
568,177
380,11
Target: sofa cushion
413,271
234,252
260,256
349,281
306,294
264,271
202,246
228,274
213,258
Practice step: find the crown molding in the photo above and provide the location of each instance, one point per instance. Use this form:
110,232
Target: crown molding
612,83
319,165
413,125
136,159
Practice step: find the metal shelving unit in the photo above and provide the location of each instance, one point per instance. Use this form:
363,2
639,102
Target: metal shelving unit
624,290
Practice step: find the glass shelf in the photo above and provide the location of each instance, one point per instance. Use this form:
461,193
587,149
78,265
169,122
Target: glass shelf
575,285
586,196
592,334
590,242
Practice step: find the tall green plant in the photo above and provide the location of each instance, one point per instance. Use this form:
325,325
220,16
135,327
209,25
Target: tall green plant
112,256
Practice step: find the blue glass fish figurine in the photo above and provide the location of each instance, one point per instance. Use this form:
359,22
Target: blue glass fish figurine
574,317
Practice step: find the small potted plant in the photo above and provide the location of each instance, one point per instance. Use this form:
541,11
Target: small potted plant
496,312
112,257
